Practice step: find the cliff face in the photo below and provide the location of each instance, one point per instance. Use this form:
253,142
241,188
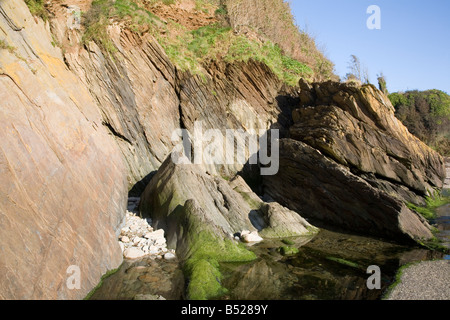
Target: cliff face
63,187
144,99
81,127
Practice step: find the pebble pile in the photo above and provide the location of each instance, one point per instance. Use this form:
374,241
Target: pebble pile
138,239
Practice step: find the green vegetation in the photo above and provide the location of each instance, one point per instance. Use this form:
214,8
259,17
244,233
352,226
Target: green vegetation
434,244
288,251
288,242
426,114
253,203
5,46
193,49
202,266
345,262
103,12
287,69
37,8
433,201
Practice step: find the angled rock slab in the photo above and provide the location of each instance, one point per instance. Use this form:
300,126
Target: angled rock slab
316,187
356,126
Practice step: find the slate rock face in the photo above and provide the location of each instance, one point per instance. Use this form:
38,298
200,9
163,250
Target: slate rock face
144,99
351,163
63,181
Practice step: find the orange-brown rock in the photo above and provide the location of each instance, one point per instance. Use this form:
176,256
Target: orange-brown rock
63,181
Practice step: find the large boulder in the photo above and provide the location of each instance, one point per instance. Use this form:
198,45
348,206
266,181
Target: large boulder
230,206
63,182
319,188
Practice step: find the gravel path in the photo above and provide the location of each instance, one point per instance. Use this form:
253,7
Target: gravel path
429,280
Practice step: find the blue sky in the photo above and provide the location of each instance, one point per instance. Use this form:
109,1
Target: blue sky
412,48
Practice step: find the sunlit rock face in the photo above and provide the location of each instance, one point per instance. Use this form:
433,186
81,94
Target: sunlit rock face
63,182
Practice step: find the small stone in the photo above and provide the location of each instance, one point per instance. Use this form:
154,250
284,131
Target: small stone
148,278
158,234
125,239
133,253
169,256
251,237
153,250
160,242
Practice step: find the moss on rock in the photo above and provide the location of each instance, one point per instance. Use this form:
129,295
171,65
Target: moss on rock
202,267
203,246
288,251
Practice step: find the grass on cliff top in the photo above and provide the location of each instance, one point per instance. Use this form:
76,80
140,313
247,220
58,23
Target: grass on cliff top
104,12
37,8
274,20
189,50
193,49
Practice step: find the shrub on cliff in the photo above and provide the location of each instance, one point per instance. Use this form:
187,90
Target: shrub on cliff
37,8
426,114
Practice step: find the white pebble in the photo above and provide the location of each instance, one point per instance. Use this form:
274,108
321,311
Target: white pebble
169,256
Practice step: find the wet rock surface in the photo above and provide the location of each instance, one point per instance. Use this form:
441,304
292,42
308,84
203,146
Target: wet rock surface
146,279
330,266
